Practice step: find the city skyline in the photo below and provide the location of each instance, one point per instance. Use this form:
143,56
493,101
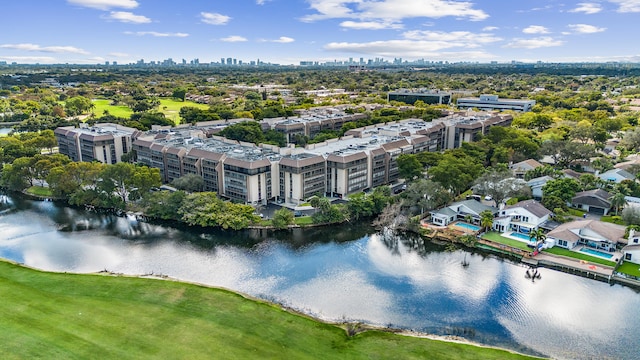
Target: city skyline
288,32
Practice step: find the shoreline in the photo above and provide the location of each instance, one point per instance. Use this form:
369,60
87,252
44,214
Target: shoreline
361,327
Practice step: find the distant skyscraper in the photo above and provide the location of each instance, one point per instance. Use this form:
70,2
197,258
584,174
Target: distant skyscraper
221,61
229,61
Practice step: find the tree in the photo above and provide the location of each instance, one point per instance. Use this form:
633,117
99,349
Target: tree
409,166
164,204
189,183
179,93
78,105
486,219
425,195
455,172
618,200
500,185
631,215
282,218
536,235
123,179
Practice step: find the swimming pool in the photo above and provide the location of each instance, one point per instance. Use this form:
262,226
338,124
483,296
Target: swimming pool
596,253
468,226
524,237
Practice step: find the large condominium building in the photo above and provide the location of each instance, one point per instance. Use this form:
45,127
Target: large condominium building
362,159
311,123
492,102
105,143
433,97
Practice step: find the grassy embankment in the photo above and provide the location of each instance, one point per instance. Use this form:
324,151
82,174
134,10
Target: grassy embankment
169,107
39,191
67,316
629,268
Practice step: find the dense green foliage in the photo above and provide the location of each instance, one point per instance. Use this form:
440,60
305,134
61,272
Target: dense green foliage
251,131
202,209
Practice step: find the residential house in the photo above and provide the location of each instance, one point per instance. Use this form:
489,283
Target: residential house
519,169
631,253
568,173
521,217
593,201
591,233
536,185
460,211
616,176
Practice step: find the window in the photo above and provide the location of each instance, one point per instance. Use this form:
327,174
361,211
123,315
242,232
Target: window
627,256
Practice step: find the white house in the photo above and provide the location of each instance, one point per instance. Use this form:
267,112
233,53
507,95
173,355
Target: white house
631,253
591,233
459,211
519,169
537,184
521,217
616,175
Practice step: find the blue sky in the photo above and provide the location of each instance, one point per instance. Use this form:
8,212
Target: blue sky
288,31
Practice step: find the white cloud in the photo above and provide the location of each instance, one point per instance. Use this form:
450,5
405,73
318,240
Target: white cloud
369,25
156,34
587,8
118,54
406,48
490,28
214,18
284,40
261,2
454,38
234,38
535,43
535,29
392,11
50,49
585,29
128,17
105,4
626,6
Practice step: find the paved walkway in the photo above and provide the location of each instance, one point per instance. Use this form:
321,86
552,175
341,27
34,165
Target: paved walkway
576,264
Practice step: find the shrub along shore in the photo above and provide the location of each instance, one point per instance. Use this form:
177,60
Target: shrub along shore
55,315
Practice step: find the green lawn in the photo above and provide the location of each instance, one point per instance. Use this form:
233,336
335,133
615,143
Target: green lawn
629,268
577,255
168,106
494,236
101,105
69,316
171,108
39,191
303,220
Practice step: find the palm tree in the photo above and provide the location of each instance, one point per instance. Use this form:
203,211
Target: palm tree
486,219
537,235
617,201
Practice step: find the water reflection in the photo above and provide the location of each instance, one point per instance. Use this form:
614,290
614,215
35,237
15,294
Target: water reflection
345,272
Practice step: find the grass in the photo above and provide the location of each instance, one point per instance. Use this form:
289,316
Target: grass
102,105
39,191
629,268
171,108
614,219
69,316
577,255
496,237
168,106
576,212
303,220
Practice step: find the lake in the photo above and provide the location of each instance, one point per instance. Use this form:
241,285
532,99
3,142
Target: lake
344,273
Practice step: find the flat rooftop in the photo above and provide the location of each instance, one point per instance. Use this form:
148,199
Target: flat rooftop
353,145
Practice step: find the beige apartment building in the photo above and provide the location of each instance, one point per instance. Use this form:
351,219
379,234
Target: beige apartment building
105,143
362,159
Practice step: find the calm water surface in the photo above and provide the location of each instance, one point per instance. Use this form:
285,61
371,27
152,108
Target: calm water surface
347,272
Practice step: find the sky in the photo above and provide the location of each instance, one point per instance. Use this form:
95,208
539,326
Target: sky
290,31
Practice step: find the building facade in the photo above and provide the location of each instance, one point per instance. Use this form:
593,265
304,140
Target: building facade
432,97
105,143
493,103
